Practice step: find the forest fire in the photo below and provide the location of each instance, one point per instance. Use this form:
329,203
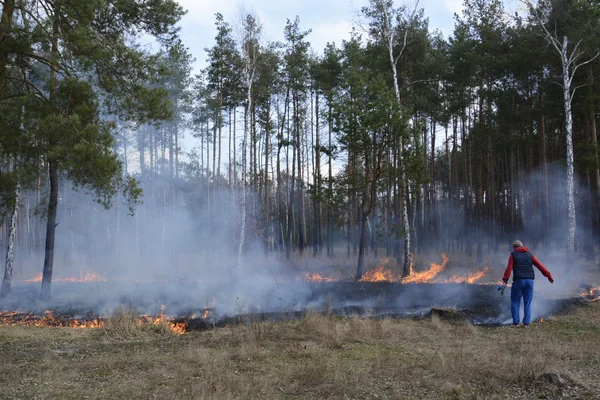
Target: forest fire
383,274
472,278
51,320
88,277
317,277
207,310
380,274
428,275
48,319
65,317
591,293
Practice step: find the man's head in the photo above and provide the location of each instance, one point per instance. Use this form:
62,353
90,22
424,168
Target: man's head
517,243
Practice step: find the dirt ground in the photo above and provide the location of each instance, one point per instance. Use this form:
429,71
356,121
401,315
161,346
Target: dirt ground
315,357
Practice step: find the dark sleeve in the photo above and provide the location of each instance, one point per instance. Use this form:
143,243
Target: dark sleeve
509,268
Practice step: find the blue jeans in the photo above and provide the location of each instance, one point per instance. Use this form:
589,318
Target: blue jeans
521,288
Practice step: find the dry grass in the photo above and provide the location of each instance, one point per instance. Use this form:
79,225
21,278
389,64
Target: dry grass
126,323
316,357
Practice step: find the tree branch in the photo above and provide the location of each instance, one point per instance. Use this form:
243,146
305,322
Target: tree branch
576,67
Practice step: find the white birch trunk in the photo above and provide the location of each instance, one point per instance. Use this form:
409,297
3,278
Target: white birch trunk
569,138
393,63
240,267
11,243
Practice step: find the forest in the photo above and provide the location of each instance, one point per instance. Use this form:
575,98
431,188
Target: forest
394,143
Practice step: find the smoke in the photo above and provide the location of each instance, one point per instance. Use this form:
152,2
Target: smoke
179,253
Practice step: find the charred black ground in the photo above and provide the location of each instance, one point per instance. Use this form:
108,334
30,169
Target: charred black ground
201,308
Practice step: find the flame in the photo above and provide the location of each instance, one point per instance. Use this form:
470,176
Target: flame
592,294
317,277
207,309
50,320
88,277
37,278
47,320
380,274
471,278
427,276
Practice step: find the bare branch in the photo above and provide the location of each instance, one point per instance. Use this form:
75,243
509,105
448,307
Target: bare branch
418,81
409,20
558,83
576,67
552,39
572,95
575,54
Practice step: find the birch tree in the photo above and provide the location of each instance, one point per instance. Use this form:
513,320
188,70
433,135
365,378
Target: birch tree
250,42
571,58
385,27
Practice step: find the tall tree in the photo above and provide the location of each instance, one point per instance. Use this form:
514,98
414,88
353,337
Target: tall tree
85,42
250,43
296,68
385,26
571,60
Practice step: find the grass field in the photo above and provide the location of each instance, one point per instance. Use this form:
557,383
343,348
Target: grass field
313,358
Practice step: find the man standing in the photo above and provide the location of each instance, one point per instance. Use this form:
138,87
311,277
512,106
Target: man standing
521,263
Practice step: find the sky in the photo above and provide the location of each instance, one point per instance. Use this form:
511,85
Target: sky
329,20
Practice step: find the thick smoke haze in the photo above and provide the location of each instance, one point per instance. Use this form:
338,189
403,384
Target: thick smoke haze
180,253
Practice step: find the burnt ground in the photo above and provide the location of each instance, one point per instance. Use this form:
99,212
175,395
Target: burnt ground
227,303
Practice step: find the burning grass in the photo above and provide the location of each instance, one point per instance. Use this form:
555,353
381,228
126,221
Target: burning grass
383,273
122,321
318,356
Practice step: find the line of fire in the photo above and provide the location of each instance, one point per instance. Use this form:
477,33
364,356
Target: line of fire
379,293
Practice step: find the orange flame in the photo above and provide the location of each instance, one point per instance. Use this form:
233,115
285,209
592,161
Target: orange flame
317,277
380,274
49,320
592,294
427,276
207,309
88,277
471,278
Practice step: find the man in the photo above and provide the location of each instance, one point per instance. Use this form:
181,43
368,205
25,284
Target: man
521,263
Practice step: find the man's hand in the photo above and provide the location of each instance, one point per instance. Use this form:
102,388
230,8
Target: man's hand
551,280
505,284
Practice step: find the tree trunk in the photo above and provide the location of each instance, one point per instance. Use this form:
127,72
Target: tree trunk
361,247
5,29
243,202
219,137
6,282
45,293
546,186
570,156
292,191
317,237
594,136
406,224
266,183
229,166
50,232
330,190
300,201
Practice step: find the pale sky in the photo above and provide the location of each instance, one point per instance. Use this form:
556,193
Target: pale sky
330,20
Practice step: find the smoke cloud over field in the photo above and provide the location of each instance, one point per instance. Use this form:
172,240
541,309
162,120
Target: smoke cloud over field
179,252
